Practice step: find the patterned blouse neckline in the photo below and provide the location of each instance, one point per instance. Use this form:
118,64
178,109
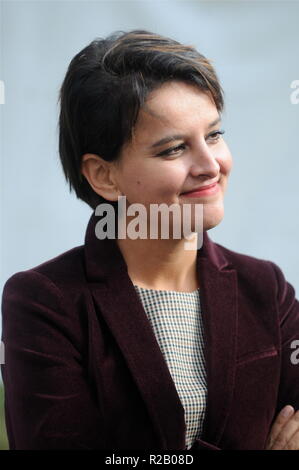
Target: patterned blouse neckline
167,291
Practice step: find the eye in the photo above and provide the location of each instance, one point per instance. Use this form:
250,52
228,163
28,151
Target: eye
173,149
215,136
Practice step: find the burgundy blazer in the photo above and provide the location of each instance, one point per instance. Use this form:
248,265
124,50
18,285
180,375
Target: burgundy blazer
83,369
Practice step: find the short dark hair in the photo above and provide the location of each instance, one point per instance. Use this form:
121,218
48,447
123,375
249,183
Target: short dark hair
107,83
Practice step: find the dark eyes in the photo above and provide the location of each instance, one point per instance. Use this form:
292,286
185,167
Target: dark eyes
214,137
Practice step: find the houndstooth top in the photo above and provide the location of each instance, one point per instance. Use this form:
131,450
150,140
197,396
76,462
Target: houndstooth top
177,323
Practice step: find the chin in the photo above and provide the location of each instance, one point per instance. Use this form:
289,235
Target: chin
213,213
212,216
212,221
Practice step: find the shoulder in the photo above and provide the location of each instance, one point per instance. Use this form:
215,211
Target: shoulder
58,277
252,270
262,275
243,261
45,302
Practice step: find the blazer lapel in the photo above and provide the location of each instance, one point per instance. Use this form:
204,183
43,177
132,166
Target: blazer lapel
120,306
220,317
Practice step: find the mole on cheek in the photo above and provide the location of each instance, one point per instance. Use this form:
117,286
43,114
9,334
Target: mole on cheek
138,182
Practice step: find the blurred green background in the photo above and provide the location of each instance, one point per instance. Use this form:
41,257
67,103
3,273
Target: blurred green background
3,436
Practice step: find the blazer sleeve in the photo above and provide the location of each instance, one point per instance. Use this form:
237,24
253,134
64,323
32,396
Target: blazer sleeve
48,400
288,310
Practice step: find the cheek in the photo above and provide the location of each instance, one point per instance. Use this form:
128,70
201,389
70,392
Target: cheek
162,180
140,184
226,161
168,179
229,163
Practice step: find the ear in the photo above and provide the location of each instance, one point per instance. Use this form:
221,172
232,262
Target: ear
99,174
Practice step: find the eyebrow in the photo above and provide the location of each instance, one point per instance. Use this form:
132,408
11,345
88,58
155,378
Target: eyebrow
170,138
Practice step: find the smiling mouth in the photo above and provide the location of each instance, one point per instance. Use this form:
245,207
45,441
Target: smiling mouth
204,191
201,188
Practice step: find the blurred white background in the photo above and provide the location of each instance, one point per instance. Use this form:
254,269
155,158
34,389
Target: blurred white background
254,46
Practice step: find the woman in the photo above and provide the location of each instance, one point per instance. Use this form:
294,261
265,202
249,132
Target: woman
139,342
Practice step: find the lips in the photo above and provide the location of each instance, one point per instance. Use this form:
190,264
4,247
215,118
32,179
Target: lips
202,188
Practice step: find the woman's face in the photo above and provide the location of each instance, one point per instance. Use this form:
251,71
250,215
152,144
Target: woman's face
148,172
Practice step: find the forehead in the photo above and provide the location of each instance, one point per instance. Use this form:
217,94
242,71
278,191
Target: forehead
173,105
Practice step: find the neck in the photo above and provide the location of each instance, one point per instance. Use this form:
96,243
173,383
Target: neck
162,264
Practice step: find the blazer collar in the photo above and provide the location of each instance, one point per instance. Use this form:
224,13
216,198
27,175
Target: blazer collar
103,257
119,304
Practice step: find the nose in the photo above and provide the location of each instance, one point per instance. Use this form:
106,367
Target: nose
204,162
